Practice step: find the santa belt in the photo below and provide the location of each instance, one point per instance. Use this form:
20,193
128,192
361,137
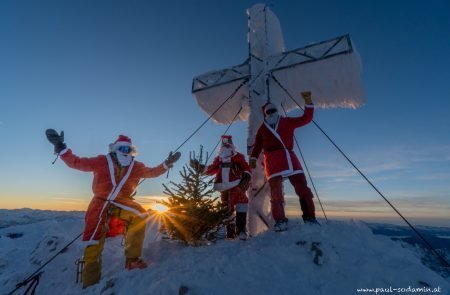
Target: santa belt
225,165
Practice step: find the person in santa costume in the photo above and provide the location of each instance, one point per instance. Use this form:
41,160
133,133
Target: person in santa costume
276,138
232,179
112,211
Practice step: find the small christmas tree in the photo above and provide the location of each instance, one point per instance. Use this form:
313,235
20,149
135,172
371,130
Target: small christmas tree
193,210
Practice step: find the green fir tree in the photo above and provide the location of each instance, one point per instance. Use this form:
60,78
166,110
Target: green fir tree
194,213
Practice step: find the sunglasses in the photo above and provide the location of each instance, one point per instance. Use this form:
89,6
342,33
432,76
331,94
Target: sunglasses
271,111
125,149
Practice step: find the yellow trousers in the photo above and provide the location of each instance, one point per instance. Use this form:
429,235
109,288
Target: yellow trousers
134,239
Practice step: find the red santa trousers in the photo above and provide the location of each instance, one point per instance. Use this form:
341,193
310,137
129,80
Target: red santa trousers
235,197
302,190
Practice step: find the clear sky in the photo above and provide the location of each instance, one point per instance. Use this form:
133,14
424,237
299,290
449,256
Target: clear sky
96,69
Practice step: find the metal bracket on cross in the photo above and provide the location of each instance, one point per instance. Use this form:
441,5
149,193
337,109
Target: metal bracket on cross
331,70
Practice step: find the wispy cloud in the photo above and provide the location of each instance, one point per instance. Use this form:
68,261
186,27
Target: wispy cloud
392,163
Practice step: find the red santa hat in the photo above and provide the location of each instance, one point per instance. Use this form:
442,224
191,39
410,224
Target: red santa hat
268,106
122,140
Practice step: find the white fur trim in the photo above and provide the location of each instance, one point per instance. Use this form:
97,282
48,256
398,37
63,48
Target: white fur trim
285,173
165,165
282,173
288,155
130,209
122,143
111,170
91,242
223,186
309,106
63,151
295,172
114,146
114,192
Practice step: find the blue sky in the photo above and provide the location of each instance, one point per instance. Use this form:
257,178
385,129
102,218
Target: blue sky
96,69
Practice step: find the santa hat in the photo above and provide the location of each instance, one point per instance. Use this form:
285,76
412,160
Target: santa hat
227,139
122,140
268,106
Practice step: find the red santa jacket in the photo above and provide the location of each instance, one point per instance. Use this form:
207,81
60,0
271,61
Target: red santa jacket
278,144
111,185
228,175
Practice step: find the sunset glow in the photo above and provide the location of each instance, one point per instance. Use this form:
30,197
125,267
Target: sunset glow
160,208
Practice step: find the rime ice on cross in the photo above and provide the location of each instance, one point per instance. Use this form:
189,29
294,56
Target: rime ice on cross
331,70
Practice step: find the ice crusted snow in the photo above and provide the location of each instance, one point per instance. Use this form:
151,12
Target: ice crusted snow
335,258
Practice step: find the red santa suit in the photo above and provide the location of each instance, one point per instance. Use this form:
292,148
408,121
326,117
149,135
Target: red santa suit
111,185
228,172
281,162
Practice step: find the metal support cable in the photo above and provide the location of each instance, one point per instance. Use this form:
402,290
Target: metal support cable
225,132
212,114
204,122
441,258
34,277
24,282
307,170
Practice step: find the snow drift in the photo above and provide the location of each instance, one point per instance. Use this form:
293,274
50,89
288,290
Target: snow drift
336,258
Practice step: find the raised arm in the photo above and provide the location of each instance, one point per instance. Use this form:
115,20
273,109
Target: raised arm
152,172
82,164
307,115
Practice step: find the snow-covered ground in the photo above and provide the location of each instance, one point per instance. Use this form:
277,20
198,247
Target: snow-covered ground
336,258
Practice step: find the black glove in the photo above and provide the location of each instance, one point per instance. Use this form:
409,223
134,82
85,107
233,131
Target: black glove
56,139
197,166
172,158
245,181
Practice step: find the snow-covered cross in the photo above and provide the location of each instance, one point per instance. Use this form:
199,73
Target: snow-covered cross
331,70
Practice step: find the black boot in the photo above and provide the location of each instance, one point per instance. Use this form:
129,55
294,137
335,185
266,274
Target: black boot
231,230
303,206
241,223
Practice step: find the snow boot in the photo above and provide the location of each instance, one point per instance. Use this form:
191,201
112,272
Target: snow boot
281,225
243,236
132,263
311,220
241,222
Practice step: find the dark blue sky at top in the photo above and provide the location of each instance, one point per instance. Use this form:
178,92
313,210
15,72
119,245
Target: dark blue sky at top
99,68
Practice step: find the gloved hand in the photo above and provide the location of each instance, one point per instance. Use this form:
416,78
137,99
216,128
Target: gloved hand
307,97
172,158
245,181
253,163
197,166
56,139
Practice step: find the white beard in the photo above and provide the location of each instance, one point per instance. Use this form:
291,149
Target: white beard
225,154
272,120
124,159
